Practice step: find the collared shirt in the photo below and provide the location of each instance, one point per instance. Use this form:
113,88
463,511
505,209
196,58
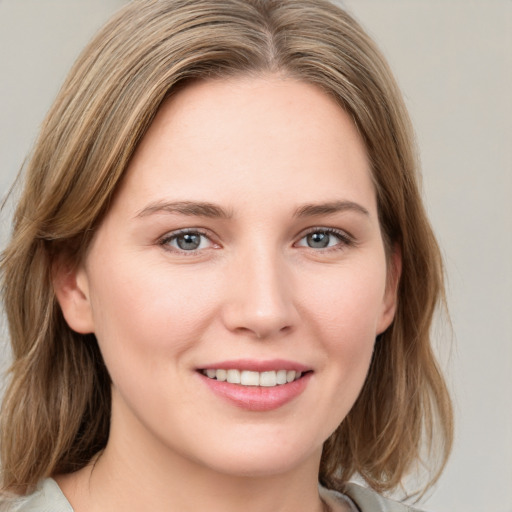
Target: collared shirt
49,498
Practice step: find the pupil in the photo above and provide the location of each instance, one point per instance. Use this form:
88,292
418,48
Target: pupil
318,240
188,241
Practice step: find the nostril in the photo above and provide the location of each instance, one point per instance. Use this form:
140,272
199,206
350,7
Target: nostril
259,315
264,333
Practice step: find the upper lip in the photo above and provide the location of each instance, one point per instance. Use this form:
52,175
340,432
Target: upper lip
257,365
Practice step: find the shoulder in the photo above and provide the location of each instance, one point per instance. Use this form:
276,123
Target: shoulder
46,498
368,500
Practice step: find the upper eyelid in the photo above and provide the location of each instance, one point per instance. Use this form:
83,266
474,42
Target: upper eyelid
177,232
336,231
346,240
171,235
342,233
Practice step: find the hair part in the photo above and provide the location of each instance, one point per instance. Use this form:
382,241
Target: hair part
56,411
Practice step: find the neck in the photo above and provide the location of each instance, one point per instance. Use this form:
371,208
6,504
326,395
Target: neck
145,475
108,485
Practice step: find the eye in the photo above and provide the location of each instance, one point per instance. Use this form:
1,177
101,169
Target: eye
186,241
324,239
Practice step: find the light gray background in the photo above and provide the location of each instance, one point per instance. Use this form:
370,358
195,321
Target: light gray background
453,62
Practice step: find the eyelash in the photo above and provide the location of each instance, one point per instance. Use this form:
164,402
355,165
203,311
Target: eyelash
170,237
346,240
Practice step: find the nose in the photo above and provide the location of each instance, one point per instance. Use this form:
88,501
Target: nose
260,300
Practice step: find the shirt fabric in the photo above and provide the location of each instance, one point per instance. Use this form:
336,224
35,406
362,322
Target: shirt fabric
49,498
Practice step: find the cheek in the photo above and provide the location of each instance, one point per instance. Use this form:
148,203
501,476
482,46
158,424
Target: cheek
147,316
344,316
348,302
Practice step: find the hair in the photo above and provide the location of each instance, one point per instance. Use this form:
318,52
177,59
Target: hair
56,409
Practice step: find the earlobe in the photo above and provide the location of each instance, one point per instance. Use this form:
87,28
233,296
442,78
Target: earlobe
72,291
391,294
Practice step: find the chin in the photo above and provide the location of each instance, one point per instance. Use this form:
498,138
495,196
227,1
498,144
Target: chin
276,458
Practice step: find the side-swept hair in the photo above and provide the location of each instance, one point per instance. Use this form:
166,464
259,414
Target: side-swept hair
56,409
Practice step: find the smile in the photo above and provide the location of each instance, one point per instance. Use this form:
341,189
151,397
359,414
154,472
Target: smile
252,378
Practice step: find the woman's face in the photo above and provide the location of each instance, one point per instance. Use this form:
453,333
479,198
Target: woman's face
243,244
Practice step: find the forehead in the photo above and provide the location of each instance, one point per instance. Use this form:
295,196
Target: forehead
223,137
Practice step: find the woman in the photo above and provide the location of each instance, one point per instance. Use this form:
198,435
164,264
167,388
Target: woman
221,277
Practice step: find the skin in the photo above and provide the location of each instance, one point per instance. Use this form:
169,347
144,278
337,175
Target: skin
260,149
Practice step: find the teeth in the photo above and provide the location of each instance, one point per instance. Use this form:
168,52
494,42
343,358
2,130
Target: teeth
233,377
281,377
290,375
268,379
250,378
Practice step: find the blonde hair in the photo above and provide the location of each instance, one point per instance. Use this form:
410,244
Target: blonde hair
56,409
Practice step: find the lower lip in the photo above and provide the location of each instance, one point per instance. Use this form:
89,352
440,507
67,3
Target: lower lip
258,398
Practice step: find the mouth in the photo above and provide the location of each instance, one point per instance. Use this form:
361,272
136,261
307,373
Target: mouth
256,385
268,379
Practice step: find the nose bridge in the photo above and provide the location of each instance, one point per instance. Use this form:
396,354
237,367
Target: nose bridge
261,297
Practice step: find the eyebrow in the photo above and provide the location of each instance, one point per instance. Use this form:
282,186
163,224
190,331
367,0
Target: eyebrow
191,208
210,210
329,208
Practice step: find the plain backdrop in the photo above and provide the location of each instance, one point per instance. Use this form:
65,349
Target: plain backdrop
453,62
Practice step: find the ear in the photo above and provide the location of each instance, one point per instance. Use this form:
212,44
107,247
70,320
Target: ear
71,288
390,299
